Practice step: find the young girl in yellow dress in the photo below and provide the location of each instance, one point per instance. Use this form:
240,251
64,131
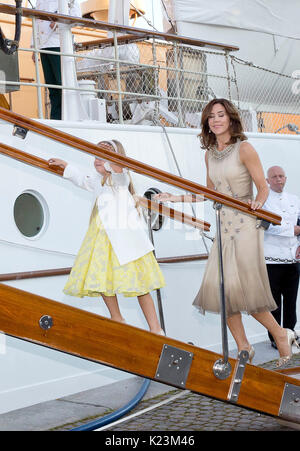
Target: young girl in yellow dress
116,255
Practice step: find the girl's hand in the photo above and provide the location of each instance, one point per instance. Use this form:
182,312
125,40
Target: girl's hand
165,197
57,162
254,204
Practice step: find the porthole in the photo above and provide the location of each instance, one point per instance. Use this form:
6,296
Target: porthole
157,220
30,214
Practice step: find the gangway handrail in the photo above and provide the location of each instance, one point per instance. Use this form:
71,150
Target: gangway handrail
135,165
28,158
173,214
147,204
97,24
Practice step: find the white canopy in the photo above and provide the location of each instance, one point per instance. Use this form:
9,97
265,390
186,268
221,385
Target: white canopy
276,17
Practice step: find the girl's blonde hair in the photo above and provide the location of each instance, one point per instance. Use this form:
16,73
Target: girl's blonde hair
118,148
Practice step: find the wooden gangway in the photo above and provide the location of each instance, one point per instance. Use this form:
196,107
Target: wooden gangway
67,329
55,325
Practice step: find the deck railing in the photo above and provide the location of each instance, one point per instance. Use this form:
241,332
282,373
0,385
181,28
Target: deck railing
142,76
139,76
147,77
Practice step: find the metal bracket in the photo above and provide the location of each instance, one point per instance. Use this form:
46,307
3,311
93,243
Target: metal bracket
46,322
19,131
174,366
221,369
238,375
263,223
290,403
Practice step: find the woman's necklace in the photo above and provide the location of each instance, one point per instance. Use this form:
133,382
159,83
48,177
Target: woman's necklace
220,154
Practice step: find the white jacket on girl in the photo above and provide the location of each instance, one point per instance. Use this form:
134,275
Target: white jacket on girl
122,222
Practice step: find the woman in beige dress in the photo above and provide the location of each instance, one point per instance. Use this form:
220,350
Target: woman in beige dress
232,167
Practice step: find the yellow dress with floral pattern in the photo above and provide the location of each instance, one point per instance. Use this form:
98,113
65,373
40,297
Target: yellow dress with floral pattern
97,270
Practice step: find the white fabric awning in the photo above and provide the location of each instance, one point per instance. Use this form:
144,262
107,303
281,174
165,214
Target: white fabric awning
275,17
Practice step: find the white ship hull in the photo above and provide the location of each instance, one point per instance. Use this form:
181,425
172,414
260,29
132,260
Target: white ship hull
32,374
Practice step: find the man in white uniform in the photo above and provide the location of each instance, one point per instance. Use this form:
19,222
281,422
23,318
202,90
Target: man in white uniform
282,249
48,38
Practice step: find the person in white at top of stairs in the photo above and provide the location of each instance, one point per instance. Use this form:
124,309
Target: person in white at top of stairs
282,249
48,38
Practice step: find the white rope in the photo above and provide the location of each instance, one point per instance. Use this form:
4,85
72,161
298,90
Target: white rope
148,409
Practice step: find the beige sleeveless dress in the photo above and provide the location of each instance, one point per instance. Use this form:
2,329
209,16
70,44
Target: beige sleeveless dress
246,282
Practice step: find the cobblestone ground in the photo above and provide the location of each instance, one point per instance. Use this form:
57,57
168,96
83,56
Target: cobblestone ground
199,413
193,412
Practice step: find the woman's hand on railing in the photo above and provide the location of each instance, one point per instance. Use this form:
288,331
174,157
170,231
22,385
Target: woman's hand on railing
57,162
255,204
167,197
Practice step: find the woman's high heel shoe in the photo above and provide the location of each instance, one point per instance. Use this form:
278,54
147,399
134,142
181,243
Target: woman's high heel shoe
161,332
291,338
251,352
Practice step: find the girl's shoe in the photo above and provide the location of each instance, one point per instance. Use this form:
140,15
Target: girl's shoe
291,338
161,332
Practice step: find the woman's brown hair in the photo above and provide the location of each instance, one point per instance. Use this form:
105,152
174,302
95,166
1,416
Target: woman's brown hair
207,138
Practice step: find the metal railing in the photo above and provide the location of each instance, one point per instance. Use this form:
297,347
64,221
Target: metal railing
155,81
142,77
146,77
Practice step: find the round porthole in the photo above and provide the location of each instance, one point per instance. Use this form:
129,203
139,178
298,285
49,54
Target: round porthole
156,219
30,214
